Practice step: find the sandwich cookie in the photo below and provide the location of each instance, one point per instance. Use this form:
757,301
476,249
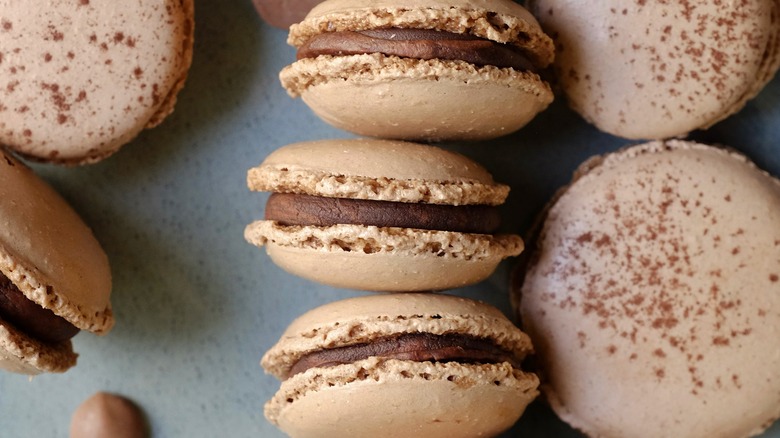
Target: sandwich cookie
54,276
654,70
108,415
380,215
79,79
412,365
653,297
422,69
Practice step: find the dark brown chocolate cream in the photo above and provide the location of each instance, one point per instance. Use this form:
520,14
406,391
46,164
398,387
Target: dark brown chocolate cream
417,44
32,319
294,209
418,347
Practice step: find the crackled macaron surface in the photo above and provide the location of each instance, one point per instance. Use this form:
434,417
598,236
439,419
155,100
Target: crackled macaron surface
54,276
380,215
655,290
655,70
79,79
432,69
416,365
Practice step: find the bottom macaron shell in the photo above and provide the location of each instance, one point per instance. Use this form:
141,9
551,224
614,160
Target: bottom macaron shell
21,354
375,398
383,259
425,100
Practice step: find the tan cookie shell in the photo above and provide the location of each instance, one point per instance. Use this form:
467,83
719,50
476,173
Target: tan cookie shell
48,252
416,99
372,397
693,356
80,79
372,258
661,69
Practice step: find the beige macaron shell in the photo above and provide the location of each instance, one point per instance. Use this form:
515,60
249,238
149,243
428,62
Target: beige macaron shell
383,259
379,170
657,70
48,252
402,398
417,99
22,354
671,252
363,319
85,78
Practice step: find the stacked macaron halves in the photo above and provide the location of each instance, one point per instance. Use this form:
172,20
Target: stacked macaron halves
54,276
421,69
412,365
380,215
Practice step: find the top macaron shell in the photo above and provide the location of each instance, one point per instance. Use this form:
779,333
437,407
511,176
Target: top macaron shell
49,253
380,258
81,78
656,291
416,99
654,70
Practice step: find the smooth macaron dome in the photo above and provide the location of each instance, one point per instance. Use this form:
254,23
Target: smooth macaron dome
419,365
81,79
54,276
380,215
655,290
414,70
654,70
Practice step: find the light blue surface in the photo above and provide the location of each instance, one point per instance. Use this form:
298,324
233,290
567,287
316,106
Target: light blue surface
196,306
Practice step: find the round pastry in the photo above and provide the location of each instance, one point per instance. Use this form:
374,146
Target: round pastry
422,69
283,13
80,79
108,415
653,297
661,69
54,276
412,365
380,215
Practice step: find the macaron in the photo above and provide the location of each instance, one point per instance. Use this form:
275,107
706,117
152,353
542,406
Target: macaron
380,215
284,13
654,70
421,69
55,278
80,79
653,295
108,415
412,365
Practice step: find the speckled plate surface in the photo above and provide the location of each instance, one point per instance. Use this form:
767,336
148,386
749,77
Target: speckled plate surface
196,306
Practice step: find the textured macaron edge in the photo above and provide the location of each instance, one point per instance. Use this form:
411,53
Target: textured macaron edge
480,22
26,355
26,279
388,371
472,185
369,240
307,73
474,319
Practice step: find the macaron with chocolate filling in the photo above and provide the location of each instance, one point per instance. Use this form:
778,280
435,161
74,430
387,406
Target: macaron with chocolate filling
412,365
653,295
423,69
54,276
380,215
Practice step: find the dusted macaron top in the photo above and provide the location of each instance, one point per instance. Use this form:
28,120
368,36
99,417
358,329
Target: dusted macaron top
48,252
502,21
365,319
379,170
81,78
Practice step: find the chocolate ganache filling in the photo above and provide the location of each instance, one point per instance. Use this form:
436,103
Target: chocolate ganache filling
418,44
27,316
294,209
417,347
